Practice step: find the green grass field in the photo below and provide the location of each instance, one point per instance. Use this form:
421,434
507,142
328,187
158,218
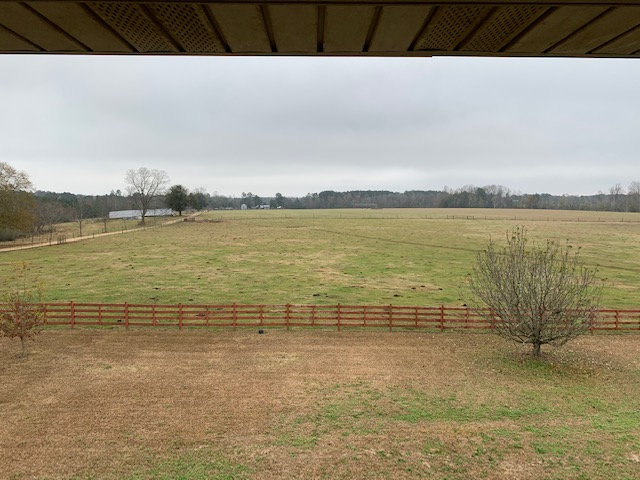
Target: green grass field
404,257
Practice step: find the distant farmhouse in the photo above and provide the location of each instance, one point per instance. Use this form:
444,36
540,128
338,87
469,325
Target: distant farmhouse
137,214
265,206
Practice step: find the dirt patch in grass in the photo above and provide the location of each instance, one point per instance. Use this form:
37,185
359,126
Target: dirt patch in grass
316,404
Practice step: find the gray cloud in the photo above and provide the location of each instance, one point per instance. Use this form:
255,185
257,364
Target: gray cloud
299,125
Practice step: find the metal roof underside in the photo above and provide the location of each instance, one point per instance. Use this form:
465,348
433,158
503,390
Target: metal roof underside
357,28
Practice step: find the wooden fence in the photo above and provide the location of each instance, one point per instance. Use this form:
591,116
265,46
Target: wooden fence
335,316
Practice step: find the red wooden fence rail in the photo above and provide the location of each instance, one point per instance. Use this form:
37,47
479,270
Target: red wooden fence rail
290,315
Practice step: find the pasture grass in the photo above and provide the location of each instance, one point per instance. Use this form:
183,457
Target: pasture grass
90,228
401,257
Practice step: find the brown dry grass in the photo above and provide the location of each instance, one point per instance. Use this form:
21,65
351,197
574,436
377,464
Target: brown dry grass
316,404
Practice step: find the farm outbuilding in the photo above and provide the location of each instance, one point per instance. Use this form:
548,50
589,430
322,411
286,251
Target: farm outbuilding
137,214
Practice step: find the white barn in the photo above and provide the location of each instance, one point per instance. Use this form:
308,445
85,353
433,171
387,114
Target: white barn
137,214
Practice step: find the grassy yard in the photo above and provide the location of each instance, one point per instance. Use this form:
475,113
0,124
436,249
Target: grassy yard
404,257
112,404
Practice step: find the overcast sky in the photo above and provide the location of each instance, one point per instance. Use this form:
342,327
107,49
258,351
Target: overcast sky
301,125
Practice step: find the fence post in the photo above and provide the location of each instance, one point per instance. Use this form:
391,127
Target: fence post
313,315
287,314
261,315
364,316
441,317
153,315
126,315
235,315
73,314
338,317
44,314
416,316
180,316
390,318
617,319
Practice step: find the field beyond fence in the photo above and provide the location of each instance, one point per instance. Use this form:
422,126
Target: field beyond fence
335,316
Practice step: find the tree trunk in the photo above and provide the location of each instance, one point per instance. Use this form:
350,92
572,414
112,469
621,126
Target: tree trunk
536,349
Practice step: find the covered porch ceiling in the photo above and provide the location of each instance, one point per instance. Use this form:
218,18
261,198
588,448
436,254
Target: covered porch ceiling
397,28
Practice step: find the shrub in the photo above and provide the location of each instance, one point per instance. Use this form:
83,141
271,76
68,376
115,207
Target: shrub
538,295
21,312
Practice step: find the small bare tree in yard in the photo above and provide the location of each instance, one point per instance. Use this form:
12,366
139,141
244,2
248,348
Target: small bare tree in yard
21,310
538,295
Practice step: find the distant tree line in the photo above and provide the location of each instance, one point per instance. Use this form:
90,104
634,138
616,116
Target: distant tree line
25,212
469,196
491,196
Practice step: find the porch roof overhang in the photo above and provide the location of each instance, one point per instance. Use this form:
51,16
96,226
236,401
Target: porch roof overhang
396,28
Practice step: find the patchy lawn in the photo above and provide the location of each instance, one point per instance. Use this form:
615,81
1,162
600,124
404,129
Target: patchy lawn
317,404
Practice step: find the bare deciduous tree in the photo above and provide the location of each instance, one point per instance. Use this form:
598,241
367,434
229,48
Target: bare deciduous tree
615,192
79,212
17,203
144,185
49,213
538,295
634,196
102,211
12,179
21,311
